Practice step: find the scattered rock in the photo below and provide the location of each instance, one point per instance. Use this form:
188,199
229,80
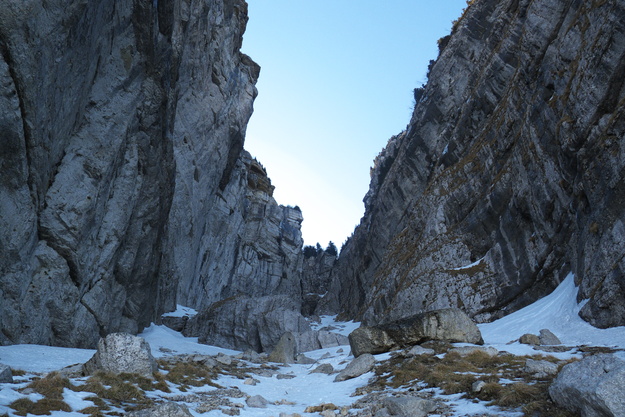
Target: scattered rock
251,381
593,387
369,340
257,401
73,371
223,359
361,365
251,356
6,376
529,339
320,408
302,359
122,352
290,415
168,409
284,352
418,351
467,350
327,413
540,368
285,376
547,338
477,386
409,406
325,368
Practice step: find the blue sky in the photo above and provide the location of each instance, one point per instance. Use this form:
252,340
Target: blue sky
336,83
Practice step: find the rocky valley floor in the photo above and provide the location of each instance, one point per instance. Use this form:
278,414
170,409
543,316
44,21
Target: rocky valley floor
502,378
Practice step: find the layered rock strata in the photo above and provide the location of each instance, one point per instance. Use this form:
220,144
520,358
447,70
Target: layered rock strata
119,124
509,175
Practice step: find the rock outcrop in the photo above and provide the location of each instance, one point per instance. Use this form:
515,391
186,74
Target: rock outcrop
592,387
124,185
508,176
244,323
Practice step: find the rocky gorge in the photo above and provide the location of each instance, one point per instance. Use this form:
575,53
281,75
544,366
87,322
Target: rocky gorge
125,188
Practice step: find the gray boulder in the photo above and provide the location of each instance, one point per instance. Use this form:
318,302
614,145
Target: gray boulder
418,351
169,409
449,324
6,376
409,406
360,365
257,401
529,339
540,368
318,339
371,340
546,337
284,352
243,323
324,368
122,352
592,387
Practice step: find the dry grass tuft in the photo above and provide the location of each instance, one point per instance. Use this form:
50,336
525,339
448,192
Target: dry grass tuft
51,386
45,406
192,374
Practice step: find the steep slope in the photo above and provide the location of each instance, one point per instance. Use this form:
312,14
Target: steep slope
509,175
119,123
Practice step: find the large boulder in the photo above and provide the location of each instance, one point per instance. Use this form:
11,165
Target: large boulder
369,340
318,339
449,324
122,352
593,387
243,323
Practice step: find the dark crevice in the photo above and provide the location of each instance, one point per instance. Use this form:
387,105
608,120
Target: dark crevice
101,329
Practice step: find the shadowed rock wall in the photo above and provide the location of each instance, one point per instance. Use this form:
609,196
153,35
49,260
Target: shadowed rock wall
119,122
509,175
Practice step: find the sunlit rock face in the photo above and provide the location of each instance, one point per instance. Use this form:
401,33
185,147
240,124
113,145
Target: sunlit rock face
121,124
509,175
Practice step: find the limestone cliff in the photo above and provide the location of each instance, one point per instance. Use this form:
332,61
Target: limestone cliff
509,175
121,126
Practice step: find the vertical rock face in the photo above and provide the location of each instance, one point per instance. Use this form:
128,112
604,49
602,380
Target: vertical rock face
509,175
119,123
248,244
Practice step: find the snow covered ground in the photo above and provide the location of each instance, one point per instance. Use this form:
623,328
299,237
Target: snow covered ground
557,312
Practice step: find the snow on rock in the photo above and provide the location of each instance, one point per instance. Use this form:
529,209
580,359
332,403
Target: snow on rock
36,358
557,312
166,342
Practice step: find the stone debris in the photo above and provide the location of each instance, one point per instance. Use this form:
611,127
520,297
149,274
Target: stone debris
256,401
540,368
360,365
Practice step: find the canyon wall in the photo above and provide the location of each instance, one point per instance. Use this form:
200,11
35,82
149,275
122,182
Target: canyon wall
508,176
121,125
